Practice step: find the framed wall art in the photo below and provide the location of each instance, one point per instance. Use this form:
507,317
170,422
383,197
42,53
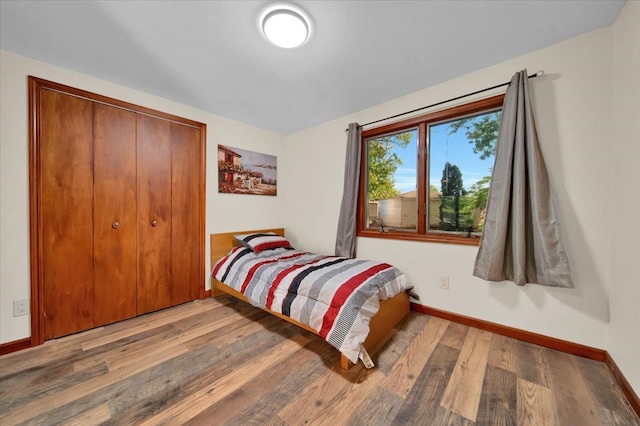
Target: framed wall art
246,172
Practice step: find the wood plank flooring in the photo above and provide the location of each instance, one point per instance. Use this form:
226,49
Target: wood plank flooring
220,361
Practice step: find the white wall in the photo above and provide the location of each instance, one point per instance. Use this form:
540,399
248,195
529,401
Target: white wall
225,212
624,330
573,109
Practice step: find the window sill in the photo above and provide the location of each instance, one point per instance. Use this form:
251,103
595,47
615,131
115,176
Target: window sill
431,237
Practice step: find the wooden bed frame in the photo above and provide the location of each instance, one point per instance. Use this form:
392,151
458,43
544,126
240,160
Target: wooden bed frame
391,312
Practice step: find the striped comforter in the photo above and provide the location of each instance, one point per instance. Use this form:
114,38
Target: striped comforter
336,296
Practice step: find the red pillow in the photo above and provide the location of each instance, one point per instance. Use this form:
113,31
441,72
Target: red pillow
263,241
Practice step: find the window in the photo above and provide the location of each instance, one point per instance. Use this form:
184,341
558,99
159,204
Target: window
427,178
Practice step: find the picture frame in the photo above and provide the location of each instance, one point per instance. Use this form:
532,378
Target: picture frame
241,171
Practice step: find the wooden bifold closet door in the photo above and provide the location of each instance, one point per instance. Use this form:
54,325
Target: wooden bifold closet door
114,224
154,214
117,206
67,206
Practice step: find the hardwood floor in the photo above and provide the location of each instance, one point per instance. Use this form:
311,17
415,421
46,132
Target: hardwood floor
220,361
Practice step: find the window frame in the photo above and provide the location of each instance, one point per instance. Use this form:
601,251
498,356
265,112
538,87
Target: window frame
421,122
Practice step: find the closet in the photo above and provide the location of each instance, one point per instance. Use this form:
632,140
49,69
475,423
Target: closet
117,210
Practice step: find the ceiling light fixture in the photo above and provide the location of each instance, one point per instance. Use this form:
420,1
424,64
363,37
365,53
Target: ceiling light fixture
285,25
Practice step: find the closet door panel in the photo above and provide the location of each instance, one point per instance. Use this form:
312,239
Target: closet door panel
115,213
154,213
66,213
186,271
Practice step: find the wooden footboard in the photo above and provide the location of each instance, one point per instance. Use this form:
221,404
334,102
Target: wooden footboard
391,311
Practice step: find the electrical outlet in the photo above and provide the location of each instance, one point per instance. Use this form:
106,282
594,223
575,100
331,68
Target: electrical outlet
20,307
444,282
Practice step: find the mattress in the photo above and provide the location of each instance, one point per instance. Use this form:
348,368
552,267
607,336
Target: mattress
335,296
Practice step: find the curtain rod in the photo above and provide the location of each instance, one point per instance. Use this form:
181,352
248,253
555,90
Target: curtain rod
537,74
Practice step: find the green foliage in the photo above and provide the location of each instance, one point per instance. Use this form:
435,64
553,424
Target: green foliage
383,164
465,212
452,189
452,180
225,166
481,131
466,216
480,192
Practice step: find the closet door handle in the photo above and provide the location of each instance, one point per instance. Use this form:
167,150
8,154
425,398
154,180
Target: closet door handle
154,223
115,225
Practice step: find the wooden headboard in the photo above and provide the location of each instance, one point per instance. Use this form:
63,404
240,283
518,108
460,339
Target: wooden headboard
222,243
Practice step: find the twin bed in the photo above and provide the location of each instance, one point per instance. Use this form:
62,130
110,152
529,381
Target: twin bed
353,304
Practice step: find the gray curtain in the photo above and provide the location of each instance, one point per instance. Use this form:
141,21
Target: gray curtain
521,239
346,238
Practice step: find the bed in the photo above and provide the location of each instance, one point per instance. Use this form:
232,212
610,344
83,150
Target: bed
391,310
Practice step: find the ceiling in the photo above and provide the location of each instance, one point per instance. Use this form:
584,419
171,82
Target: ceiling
211,55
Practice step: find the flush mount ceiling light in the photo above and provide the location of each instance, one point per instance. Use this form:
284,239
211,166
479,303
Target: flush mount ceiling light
285,25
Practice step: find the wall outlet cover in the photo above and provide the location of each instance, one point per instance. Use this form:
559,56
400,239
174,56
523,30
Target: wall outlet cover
20,307
444,282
